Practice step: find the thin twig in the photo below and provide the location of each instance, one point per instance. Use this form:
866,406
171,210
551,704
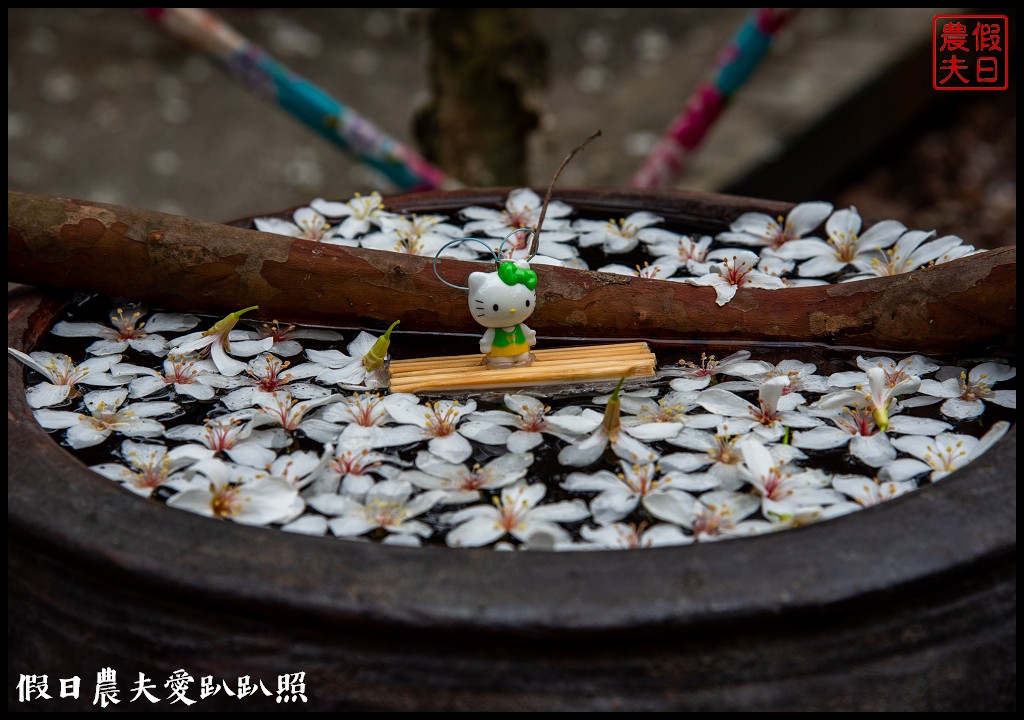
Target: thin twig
547,197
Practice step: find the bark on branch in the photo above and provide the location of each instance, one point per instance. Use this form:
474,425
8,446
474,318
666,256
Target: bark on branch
189,265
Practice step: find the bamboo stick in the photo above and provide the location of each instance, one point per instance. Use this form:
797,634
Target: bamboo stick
546,355
552,365
556,370
513,377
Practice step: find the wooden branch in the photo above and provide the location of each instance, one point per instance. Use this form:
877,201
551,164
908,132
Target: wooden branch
188,265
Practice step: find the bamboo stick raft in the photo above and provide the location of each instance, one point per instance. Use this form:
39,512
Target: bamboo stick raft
553,366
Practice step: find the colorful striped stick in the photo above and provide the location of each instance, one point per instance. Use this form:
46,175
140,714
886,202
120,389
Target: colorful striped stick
259,72
737,60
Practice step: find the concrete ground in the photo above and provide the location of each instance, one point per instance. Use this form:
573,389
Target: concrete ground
103,105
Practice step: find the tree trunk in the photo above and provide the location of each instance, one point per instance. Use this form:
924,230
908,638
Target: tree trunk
482,63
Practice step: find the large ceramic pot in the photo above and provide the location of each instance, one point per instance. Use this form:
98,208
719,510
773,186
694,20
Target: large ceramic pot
910,605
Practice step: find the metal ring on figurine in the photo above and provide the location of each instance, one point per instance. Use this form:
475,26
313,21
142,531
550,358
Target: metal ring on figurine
529,230
437,255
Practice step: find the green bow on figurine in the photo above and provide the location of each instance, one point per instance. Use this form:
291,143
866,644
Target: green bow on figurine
511,275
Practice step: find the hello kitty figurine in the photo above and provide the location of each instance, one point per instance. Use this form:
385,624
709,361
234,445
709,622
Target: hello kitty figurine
501,301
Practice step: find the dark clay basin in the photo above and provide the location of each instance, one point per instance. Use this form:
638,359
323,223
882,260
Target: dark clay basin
910,605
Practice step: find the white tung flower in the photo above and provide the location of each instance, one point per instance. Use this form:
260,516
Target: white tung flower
856,427
844,246
878,397
194,378
736,272
360,213
359,415
531,418
896,371
239,495
714,516
418,235
624,234
106,416
720,453
621,493
651,420
308,225
298,468
940,455
802,377
659,270
680,251
235,438
127,331
783,488
349,371
266,374
871,491
218,340
966,395
285,339
517,512
462,484
350,468
909,253
522,210
774,412
761,230
389,505
620,536
63,377
439,423
282,410
698,377
146,467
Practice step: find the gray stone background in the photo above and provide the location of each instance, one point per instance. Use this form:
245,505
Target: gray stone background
104,105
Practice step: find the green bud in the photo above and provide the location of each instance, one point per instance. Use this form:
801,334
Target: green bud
227,323
882,417
376,355
613,413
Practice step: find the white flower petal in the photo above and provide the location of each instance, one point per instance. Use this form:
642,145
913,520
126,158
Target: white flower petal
46,394
962,409
723,402
1003,398
521,441
655,430
909,425
584,452
85,435
477,532
454,448
485,433
903,469
821,438
350,526
107,347
307,525
600,481
153,344
251,454
676,507
684,462
873,450
820,266
225,364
